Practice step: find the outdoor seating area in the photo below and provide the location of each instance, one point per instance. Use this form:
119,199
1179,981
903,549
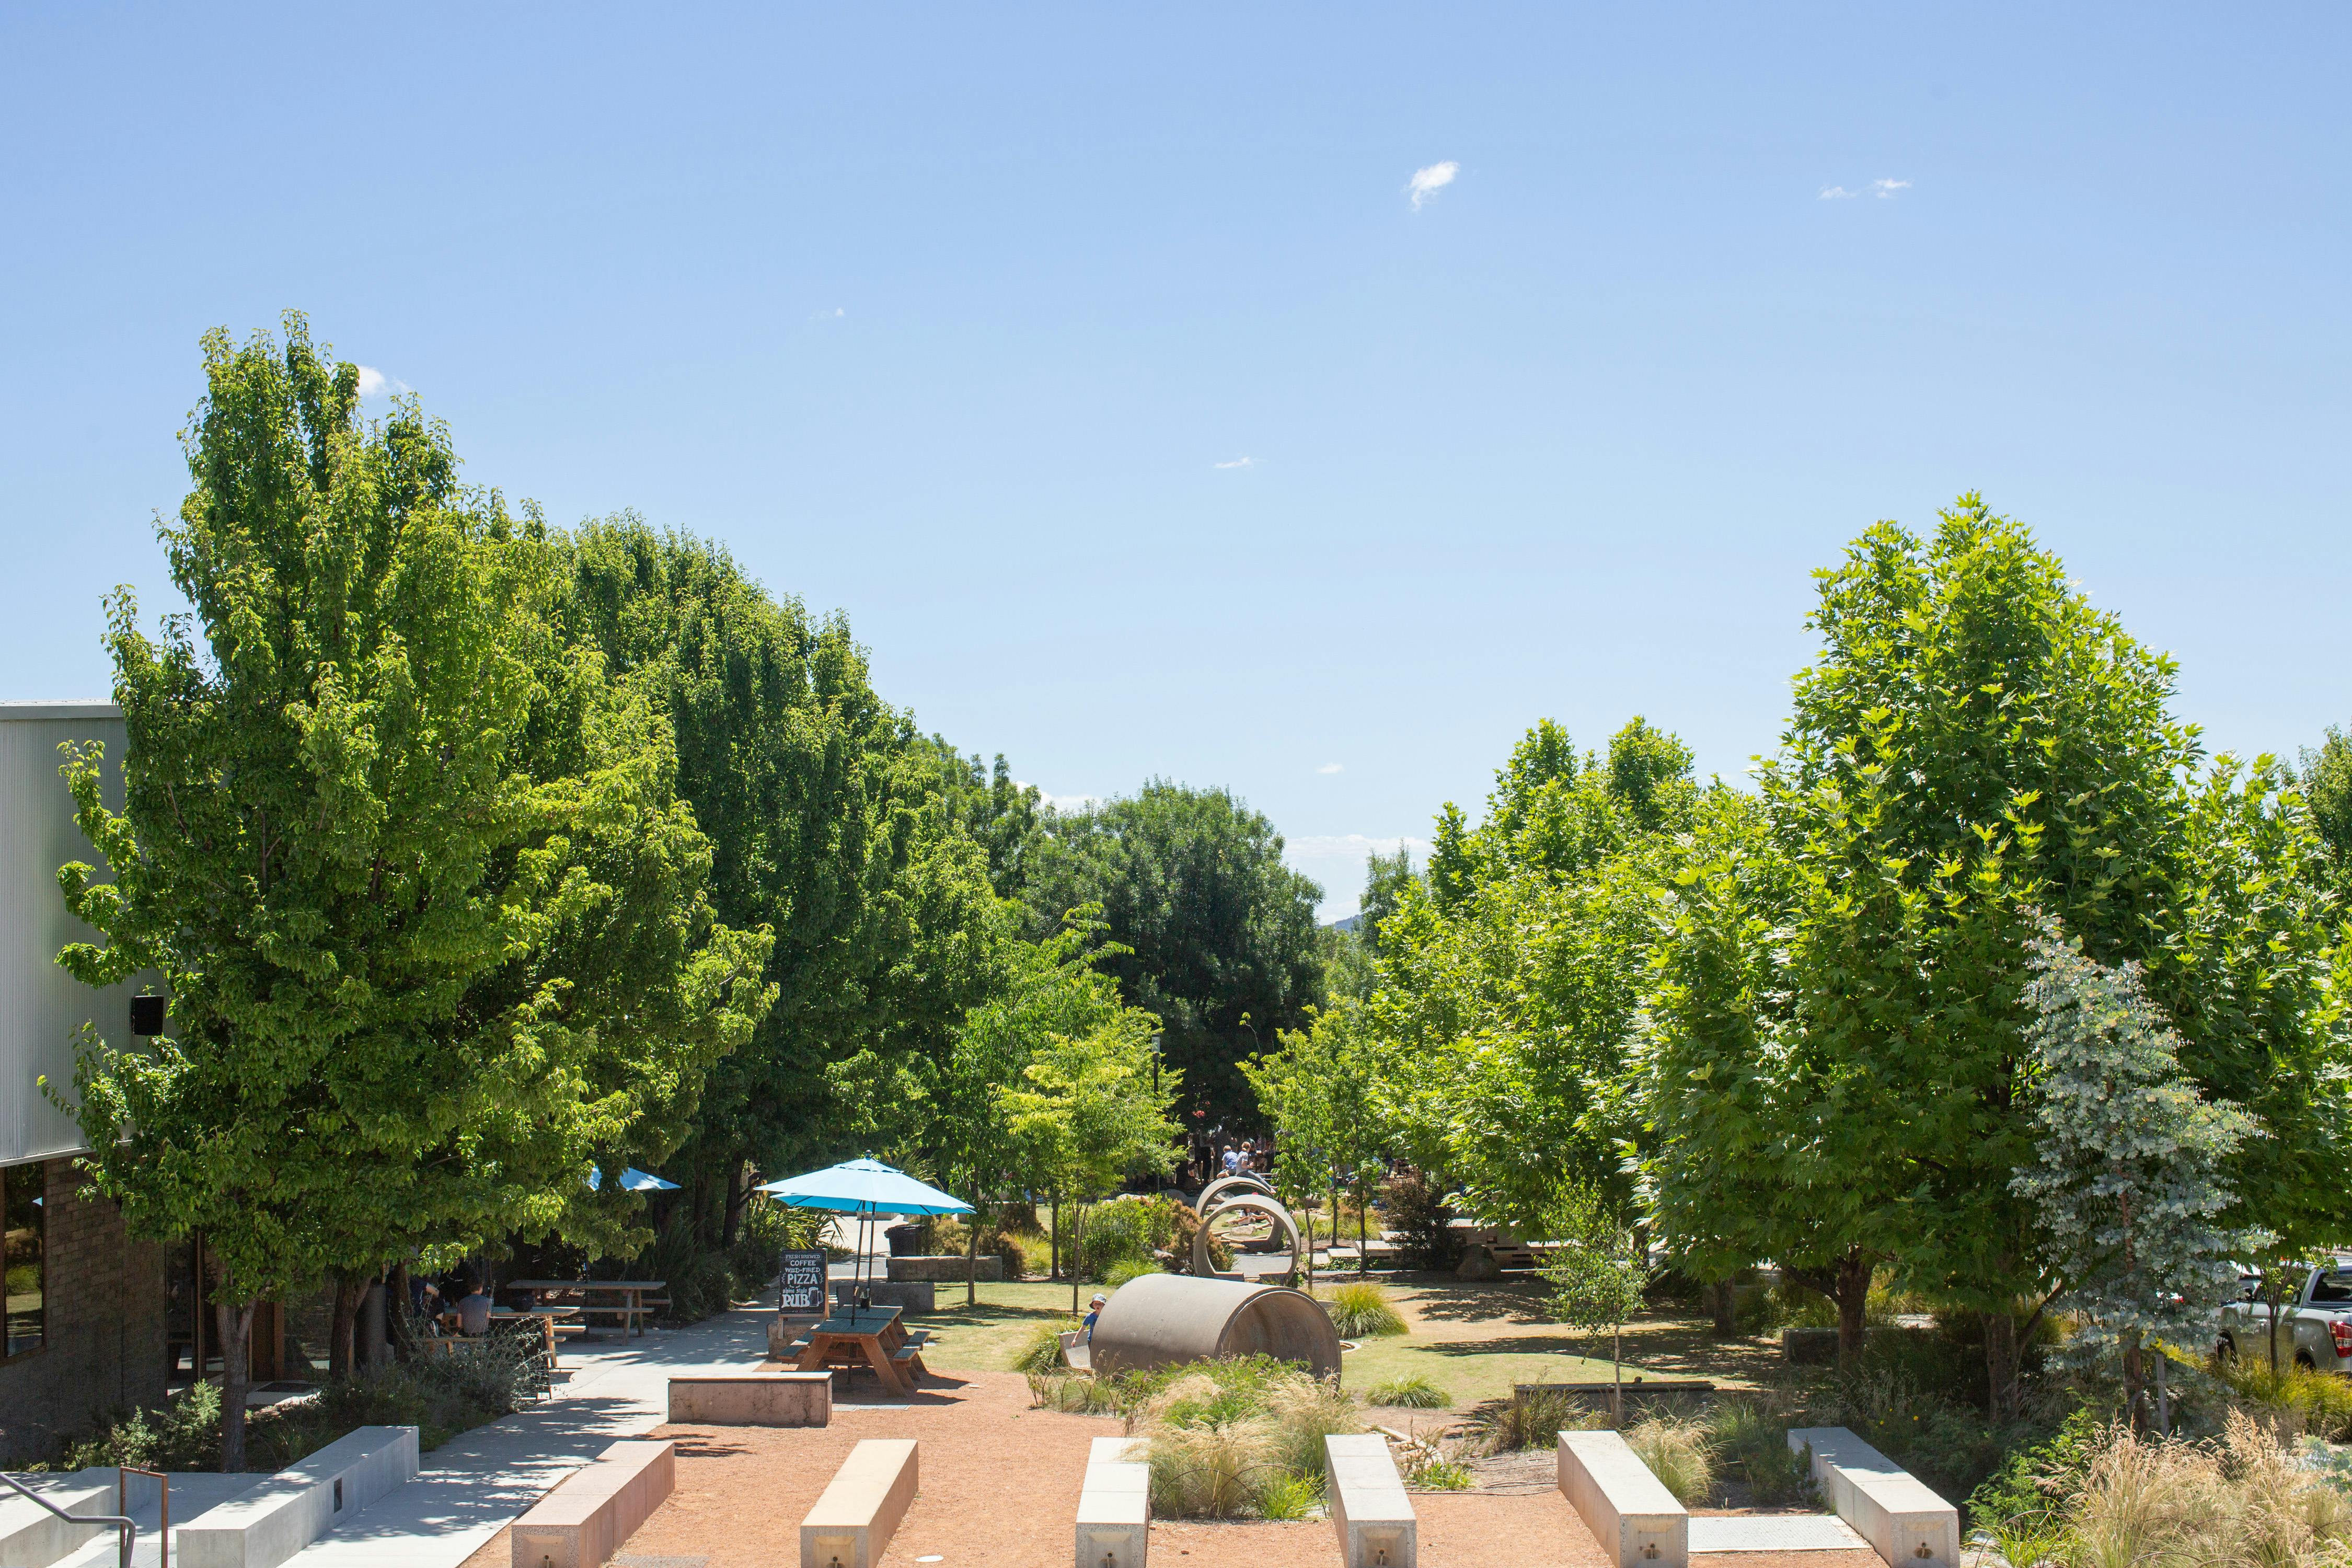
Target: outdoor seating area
627,1305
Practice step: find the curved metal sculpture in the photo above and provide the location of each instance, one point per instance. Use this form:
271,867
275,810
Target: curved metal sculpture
1161,1319
1248,1203
1210,1197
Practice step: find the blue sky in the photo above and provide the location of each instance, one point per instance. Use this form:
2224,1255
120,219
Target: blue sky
1100,365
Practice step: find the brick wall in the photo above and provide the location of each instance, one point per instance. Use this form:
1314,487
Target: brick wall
103,1344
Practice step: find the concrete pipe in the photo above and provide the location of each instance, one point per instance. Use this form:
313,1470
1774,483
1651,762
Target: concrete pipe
1225,1188
1248,1202
1161,1319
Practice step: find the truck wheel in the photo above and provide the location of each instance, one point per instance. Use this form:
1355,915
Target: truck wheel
2303,1358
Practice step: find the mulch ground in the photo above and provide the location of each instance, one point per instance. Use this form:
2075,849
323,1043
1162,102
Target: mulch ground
1000,1488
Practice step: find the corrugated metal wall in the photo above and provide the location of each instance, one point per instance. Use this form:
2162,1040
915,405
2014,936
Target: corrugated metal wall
42,1008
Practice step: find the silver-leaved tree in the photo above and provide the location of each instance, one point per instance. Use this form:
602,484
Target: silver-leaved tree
2132,1167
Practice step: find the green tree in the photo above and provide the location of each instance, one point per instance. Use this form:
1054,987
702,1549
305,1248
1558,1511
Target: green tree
1322,1093
1219,936
433,928
2131,1170
2327,785
1087,1113
1597,1280
1386,877
834,822
1054,991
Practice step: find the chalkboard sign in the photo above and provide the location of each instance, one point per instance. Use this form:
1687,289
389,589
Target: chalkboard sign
802,1291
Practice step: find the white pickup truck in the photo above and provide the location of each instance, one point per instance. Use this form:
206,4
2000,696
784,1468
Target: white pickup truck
2315,1319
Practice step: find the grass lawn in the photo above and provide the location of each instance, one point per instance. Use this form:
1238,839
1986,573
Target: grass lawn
1474,1340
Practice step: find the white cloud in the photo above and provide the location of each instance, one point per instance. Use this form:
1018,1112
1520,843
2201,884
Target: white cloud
1884,188
1238,463
834,314
1353,845
1835,192
1331,768
1427,183
374,382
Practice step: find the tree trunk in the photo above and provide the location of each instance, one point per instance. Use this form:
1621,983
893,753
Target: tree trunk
1053,1238
971,1263
1852,1301
2271,1289
2001,1365
1724,1294
398,1322
342,1347
1364,1241
235,1321
2135,1382
739,1198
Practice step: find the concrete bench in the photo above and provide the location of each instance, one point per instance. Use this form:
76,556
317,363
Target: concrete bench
1373,1517
1114,1506
285,1512
861,1505
911,1297
30,1533
949,1269
753,1399
1901,1517
593,1510
1628,1510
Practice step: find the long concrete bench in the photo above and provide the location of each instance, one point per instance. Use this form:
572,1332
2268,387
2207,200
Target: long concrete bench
1900,1515
752,1399
861,1508
1628,1510
1369,1511
30,1535
1114,1507
988,1268
588,1515
285,1512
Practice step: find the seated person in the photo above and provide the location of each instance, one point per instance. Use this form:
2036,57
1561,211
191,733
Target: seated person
474,1313
1094,1310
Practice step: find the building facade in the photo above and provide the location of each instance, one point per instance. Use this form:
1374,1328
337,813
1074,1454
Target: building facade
88,1325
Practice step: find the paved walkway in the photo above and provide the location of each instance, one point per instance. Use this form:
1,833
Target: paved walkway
479,1480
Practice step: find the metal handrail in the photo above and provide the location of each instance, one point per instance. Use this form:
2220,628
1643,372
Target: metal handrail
129,1532
123,1474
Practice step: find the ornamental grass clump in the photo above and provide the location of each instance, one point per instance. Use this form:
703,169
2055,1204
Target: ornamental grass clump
1413,1392
2244,1501
1362,1311
1041,1353
1679,1452
1239,1439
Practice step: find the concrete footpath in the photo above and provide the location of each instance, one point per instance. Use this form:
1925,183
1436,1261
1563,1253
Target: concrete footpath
479,1480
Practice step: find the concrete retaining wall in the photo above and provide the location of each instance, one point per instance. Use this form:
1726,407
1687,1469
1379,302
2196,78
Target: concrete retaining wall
949,1269
753,1399
285,1512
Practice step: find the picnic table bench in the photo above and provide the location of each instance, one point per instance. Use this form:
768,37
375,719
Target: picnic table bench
871,1338
629,1301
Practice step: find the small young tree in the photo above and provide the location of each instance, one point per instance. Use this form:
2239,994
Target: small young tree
1597,1280
1087,1113
1321,1093
2131,1165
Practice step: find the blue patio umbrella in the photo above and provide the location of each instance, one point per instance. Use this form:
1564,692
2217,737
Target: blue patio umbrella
864,1188
632,1180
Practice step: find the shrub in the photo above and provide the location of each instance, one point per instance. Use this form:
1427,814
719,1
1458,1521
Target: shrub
2033,1481
1417,1212
1291,1497
1118,1232
1679,1452
1532,1418
1362,1310
1042,1350
1132,1268
1413,1393
1441,1476
1756,1449
2321,1401
183,1433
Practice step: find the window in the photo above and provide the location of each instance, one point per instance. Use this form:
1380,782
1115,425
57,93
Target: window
2333,1288
21,1223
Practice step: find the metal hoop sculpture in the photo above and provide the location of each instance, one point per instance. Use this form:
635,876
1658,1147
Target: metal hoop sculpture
1211,1195
1250,1203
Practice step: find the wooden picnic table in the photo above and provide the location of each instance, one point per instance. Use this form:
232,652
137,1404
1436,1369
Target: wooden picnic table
546,1315
869,1337
630,1304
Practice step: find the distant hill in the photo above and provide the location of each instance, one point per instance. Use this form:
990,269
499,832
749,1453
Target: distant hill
1348,924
